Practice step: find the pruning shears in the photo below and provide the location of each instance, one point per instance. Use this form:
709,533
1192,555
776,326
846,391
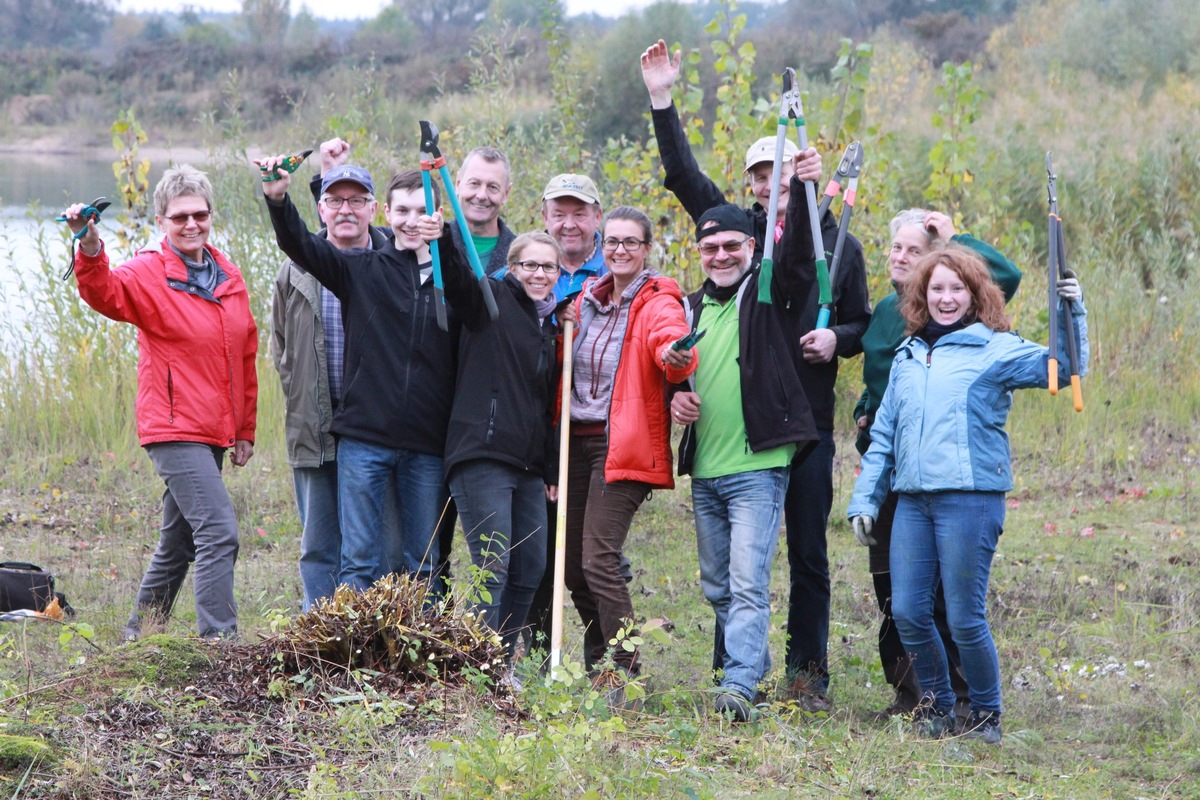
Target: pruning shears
91,211
791,109
290,164
1058,264
431,159
847,173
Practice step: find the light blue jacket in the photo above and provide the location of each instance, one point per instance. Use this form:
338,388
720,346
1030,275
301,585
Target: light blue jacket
940,426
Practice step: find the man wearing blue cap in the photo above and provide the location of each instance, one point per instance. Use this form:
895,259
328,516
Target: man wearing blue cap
307,347
399,367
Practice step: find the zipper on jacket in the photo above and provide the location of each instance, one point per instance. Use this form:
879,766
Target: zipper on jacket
787,408
491,429
170,397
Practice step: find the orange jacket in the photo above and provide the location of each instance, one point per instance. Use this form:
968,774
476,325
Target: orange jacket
639,423
196,371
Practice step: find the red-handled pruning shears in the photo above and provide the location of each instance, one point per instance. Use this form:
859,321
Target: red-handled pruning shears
846,175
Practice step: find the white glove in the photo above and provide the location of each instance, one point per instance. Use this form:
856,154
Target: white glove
1068,287
862,525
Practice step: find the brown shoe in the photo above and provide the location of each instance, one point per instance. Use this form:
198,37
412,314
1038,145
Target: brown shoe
901,705
800,693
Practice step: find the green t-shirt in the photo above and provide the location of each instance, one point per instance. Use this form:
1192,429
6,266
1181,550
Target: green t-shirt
484,245
722,447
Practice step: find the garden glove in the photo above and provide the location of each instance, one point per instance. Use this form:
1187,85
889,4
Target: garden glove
1068,288
862,529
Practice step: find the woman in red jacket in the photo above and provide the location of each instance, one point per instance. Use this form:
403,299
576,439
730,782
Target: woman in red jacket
197,389
620,429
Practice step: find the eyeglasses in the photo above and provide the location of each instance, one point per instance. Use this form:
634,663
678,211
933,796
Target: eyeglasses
711,248
201,217
533,266
356,203
629,244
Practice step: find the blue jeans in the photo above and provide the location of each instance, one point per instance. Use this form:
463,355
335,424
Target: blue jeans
321,535
366,474
503,514
737,530
951,535
806,511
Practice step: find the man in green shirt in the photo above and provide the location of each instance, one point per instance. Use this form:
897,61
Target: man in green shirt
483,184
747,415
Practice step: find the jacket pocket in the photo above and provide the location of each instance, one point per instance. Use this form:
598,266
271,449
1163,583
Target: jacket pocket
170,395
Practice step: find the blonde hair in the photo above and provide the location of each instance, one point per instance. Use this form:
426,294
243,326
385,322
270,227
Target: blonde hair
522,242
179,181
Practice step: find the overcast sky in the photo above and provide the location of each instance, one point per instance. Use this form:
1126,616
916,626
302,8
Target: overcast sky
361,9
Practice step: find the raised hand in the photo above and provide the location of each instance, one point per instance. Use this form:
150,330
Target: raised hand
277,189
334,153
660,70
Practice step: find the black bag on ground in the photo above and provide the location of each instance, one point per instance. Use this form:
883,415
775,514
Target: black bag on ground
28,586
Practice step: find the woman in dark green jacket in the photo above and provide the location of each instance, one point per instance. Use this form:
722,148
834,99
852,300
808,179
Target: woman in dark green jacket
915,232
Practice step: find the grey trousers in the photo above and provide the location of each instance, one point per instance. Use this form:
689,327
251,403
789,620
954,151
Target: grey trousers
198,524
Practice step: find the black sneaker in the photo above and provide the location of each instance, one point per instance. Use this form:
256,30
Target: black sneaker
983,725
930,722
734,707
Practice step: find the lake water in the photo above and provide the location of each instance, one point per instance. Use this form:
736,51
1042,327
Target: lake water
34,189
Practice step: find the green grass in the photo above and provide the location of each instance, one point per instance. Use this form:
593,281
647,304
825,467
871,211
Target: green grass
1097,638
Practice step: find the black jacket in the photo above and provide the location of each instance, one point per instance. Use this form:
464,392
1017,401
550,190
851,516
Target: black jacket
851,309
498,260
774,404
505,404
400,367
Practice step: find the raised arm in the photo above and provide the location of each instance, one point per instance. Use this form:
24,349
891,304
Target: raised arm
683,176
312,252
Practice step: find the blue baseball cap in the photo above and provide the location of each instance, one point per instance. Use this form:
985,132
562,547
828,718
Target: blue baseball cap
348,172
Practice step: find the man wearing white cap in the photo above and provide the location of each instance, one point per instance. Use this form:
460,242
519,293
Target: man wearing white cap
810,489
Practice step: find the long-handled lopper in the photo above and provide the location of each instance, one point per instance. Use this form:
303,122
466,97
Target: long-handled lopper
431,159
91,211
848,170
564,451
1058,266
791,109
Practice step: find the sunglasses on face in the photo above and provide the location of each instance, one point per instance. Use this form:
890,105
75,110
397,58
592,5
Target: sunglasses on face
182,219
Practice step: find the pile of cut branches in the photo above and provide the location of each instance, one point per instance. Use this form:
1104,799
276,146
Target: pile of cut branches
393,628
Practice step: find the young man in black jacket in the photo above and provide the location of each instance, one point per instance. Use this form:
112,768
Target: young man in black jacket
399,375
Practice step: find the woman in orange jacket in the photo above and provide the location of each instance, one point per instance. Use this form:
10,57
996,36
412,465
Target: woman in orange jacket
620,428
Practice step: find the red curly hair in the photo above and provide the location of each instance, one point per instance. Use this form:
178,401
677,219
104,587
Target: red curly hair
987,301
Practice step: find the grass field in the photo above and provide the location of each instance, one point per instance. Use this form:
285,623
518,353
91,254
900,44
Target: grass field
1093,605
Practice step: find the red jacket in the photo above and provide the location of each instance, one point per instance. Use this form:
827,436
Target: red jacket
196,371
639,423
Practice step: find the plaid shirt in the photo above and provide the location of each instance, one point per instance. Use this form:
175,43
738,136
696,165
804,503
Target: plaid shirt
335,343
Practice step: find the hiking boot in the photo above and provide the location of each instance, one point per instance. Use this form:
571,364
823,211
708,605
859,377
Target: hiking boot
930,722
611,683
983,725
801,692
902,704
734,706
